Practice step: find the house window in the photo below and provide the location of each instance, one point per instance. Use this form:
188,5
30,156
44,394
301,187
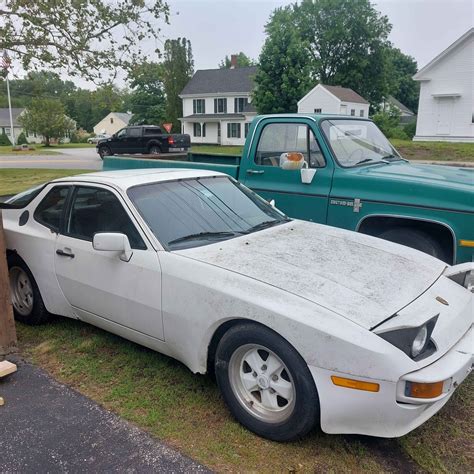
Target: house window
318,111
7,131
240,103
361,113
233,130
353,112
220,106
111,120
199,106
247,128
199,131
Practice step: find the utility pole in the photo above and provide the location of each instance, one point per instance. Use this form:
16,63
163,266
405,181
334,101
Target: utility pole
6,63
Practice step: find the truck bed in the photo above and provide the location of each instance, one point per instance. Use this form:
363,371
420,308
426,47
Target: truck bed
228,164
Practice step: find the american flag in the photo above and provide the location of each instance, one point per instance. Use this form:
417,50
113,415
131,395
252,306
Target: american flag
6,62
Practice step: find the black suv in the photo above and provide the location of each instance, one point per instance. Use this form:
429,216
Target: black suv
143,139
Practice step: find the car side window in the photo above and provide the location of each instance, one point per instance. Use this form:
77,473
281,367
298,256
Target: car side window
134,132
98,210
279,138
122,133
49,211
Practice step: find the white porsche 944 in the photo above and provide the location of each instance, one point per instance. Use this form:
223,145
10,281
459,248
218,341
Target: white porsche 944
302,324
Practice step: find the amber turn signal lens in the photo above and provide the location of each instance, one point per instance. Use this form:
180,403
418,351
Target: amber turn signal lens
424,390
355,384
466,243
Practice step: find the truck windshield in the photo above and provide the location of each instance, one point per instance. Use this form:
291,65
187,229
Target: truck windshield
200,211
356,142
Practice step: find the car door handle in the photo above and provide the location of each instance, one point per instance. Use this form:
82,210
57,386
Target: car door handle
62,253
255,171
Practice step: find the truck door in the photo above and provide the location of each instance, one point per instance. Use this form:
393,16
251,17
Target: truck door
269,174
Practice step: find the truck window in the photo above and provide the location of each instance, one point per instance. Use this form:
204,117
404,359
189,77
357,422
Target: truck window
152,131
279,138
134,132
122,133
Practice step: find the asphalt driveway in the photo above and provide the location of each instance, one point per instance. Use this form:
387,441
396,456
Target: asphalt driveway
46,426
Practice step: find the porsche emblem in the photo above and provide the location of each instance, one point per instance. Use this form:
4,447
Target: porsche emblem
442,300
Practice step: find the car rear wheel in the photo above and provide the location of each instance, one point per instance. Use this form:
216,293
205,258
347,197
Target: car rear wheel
105,151
265,383
28,305
416,239
154,150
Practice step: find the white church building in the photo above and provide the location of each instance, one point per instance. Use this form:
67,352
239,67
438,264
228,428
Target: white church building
446,106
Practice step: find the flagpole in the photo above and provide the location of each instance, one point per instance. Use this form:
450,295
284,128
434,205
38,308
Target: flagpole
12,131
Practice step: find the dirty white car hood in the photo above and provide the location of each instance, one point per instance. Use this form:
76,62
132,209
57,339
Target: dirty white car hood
362,278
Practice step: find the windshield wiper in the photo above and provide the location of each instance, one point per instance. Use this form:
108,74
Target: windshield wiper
393,157
205,235
266,225
367,160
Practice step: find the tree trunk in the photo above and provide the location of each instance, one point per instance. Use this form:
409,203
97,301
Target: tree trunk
46,140
7,324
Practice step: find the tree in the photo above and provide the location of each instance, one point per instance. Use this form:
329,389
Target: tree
85,38
147,98
47,117
403,87
283,76
242,61
339,42
177,68
21,140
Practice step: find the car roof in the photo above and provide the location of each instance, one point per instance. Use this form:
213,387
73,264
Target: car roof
124,179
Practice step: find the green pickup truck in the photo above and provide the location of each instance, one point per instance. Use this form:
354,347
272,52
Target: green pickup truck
342,171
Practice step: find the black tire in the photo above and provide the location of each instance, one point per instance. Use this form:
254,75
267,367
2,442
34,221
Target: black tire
38,313
416,239
302,414
105,151
154,150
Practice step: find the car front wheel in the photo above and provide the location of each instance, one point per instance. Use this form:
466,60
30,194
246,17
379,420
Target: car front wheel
105,151
266,383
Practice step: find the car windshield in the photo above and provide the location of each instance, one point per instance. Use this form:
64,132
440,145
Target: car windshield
356,142
200,211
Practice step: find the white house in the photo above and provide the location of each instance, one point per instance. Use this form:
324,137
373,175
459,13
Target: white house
324,99
217,105
112,123
5,126
446,106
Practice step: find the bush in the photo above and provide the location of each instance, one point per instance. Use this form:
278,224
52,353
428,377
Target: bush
21,140
397,132
410,129
4,140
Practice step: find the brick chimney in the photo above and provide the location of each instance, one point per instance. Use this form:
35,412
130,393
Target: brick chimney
233,61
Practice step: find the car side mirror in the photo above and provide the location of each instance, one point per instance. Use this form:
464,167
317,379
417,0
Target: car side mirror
113,242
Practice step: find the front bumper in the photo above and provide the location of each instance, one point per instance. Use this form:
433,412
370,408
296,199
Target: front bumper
389,413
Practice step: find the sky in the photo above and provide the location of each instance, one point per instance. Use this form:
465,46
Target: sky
216,28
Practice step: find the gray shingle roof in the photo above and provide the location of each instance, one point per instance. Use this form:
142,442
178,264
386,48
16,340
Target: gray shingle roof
403,108
5,117
209,81
345,94
123,116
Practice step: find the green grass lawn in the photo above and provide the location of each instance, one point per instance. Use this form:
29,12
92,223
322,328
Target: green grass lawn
13,181
185,410
435,151
219,149
39,150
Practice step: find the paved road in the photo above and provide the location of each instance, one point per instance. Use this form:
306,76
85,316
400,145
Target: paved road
48,427
70,158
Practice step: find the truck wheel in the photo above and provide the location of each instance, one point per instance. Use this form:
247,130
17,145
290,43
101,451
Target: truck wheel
105,151
154,150
417,240
265,383
28,305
